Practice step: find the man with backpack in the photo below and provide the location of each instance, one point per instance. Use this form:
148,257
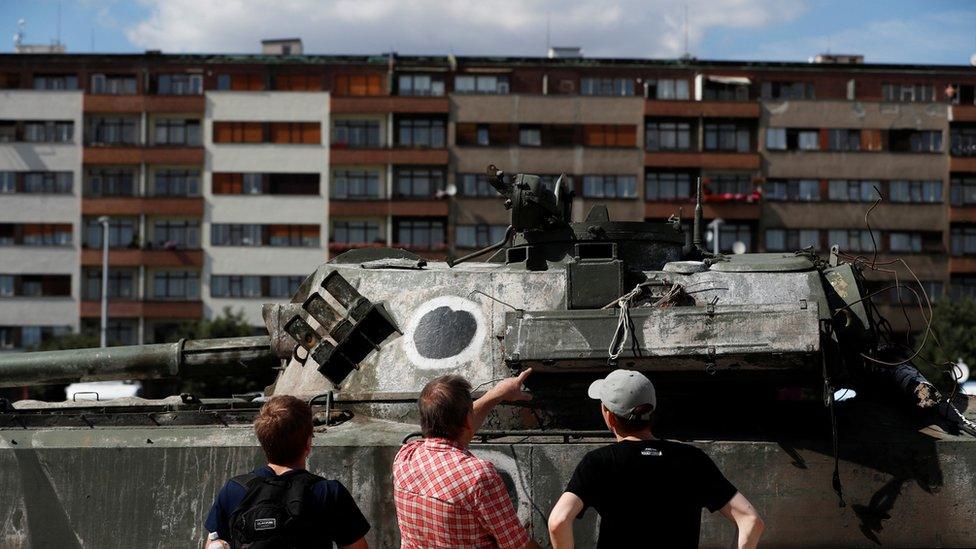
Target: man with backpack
282,505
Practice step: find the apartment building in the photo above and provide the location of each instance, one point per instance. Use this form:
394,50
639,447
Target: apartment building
228,178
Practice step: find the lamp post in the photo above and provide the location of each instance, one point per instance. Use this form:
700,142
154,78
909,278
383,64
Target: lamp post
714,226
104,324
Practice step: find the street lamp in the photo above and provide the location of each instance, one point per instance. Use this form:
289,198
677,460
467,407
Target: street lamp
104,325
714,225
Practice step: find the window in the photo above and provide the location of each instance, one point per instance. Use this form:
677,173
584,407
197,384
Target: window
783,240
48,131
475,185
665,186
355,184
240,82
730,184
179,84
40,182
484,134
236,234
467,83
35,234
786,90
530,136
8,183
113,84
8,131
113,130
419,234
963,191
356,133
173,182
177,131
800,190
419,182
727,137
235,286
309,133
420,84
478,236
607,86
962,240
298,82
238,132
420,132
283,285
179,285
730,233
908,93
666,89
843,140
854,240
121,233
667,136
28,337
915,191
963,141
609,135
904,242
121,284
915,141
960,287
871,140
609,186
355,232
7,285
110,182
176,234
844,190
358,84
775,139
724,91
55,82
29,285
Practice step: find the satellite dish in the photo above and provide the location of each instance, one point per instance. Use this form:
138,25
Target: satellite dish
960,371
738,247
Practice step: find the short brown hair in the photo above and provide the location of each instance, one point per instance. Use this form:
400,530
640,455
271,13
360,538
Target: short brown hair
444,406
283,426
634,424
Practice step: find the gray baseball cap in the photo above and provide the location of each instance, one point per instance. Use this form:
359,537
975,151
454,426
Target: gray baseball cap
623,391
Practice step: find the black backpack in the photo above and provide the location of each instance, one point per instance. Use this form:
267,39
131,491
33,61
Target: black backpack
276,512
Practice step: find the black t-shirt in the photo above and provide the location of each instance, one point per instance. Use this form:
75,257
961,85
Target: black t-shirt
651,491
340,520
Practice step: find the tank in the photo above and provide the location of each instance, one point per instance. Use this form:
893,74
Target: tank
747,352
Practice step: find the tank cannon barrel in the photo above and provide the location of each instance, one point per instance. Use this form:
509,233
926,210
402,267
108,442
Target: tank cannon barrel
186,358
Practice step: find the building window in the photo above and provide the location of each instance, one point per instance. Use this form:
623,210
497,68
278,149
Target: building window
113,84
723,88
963,191
730,185
283,285
235,286
420,84
356,134
667,89
171,235
240,82
110,182
783,91
843,190
775,139
29,285
419,182
918,192
793,190
37,182
609,135
962,287
607,86
908,93
35,234
121,284
667,136
476,185
478,236
29,337
483,135
113,130
358,84
667,186
179,84
238,132
792,139
55,82
962,240
307,133
530,136
8,183
782,240
904,242
419,234
843,140
298,82
355,232
48,131
178,285
609,186
420,132
240,234
854,240
266,183
173,182
963,141
727,137
177,131
915,141
493,85
355,185
121,233
730,233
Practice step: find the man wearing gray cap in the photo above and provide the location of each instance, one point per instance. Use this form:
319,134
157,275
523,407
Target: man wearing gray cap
647,491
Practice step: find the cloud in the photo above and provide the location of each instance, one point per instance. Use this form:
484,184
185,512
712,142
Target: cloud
622,28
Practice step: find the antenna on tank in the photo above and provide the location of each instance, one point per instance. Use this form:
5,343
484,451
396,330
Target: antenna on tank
696,231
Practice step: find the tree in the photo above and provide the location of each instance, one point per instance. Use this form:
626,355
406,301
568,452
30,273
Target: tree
953,337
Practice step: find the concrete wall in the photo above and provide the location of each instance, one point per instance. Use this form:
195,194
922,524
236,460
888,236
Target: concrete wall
853,114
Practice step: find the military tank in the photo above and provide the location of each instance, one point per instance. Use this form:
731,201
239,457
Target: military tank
746,350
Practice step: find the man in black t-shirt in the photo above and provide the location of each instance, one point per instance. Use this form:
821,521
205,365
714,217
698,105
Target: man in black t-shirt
648,492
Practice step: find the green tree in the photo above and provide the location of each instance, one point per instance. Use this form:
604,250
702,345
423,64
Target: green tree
953,337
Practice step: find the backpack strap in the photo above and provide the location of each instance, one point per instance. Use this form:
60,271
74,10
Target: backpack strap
243,480
300,490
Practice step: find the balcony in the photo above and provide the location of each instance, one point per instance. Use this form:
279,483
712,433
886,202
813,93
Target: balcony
149,205
963,113
343,155
707,109
134,257
706,159
962,214
144,308
383,208
960,264
730,211
962,163
385,104
140,103
136,154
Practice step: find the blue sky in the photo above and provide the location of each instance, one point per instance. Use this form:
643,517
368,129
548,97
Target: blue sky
892,31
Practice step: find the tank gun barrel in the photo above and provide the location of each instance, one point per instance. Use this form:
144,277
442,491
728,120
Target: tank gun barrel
186,358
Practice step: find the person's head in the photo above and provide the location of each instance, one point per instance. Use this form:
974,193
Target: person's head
446,409
627,401
284,428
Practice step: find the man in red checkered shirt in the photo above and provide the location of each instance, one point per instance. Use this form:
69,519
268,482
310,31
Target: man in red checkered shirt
445,496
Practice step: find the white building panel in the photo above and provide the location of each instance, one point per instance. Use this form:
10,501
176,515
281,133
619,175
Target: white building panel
39,208
41,105
39,311
252,106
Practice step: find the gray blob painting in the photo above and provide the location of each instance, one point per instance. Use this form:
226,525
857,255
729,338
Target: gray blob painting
444,332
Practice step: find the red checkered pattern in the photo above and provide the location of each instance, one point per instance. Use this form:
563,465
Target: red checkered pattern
446,497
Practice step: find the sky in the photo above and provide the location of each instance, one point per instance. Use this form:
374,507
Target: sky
884,31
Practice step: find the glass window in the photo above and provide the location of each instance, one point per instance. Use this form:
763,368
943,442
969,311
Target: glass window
918,192
55,82
176,131
481,84
356,133
962,141
179,285
905,242
730,233
962,240
121,233
121,284
478,236
176,234
420,84
844,190
284,286
667,89
355,232
48,131
475,185
666,136
419,182
775,240
609,186
113,130
45,182
530,137
180,84
420,234
420,132
173,182
110,182
963,190
776,139
667,186
776,90
355,184
908,93
113,84
607,86
727,137
808,140
843,140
